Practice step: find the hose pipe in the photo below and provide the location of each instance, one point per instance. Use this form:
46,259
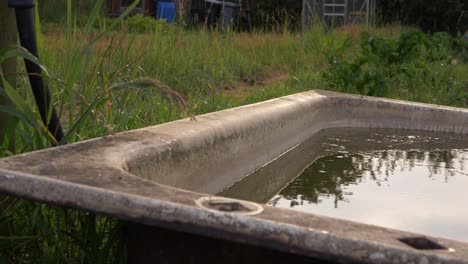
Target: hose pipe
24,10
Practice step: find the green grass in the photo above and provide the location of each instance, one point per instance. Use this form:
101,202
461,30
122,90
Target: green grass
109,76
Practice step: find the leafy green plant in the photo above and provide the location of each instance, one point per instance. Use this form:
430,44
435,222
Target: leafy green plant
461,47
141,24
382,60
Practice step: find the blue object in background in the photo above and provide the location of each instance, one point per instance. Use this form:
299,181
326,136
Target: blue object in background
166,10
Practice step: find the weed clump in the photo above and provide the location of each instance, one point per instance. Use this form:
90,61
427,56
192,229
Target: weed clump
142,24
385,66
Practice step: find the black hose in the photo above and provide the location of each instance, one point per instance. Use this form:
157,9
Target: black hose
27,36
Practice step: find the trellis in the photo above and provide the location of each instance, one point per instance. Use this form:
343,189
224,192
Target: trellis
338,11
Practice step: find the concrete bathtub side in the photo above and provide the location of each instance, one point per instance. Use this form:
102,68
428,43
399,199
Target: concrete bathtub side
126,175
218,149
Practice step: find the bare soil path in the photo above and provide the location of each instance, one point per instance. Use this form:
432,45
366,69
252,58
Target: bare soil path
239,90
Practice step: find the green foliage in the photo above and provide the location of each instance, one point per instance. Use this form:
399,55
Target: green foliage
384,61
141,24
461,47
38,233
56,10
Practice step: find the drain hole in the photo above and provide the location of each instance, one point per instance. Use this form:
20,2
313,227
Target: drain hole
421,243
229,205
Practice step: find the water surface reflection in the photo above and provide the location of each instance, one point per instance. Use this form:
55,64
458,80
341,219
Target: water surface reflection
399,182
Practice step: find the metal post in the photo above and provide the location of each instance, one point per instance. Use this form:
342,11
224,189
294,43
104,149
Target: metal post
303,14
374,4
345,12
367,12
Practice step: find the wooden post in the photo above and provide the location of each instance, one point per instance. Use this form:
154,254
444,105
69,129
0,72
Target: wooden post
8,37
184,8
